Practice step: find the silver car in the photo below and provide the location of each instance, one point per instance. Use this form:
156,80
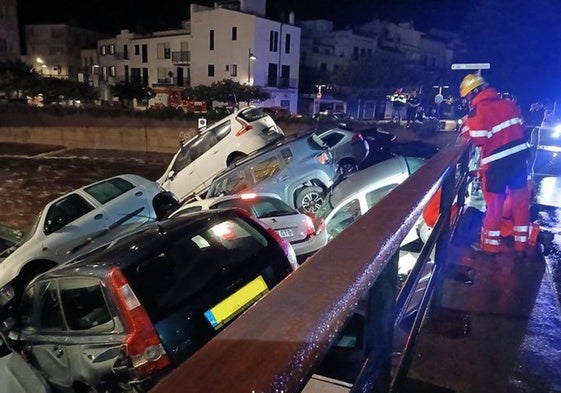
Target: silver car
300,170
78,221
349,147
298,228
358,192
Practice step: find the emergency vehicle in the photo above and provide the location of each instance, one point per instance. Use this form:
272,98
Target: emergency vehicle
170,96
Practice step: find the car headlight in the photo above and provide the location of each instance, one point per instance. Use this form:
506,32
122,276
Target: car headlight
7,293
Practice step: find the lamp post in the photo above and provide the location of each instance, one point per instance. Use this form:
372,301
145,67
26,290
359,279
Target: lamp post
250,58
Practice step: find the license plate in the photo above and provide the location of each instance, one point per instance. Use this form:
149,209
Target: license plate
285,232
234,304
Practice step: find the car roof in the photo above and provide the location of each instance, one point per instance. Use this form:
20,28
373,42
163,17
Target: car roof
118,253
365,178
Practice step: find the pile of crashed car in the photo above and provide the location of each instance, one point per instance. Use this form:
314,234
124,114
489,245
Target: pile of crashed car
118,282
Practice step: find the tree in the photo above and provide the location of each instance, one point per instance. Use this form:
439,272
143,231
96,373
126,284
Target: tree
519,39
226,90
17,78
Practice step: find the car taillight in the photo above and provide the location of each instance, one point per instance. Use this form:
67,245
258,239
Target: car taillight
310,228
247,128
142,344
357,137
323,158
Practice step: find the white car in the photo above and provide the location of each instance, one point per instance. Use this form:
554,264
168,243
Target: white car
290,224
79,221
200,158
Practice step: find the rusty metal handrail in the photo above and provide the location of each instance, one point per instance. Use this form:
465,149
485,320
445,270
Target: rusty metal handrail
276,345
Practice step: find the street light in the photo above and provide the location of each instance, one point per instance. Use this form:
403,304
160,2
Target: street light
250,58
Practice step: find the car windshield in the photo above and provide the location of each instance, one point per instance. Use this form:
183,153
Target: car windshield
259,206
28,234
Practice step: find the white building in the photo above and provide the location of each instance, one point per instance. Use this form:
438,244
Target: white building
9,32
232,40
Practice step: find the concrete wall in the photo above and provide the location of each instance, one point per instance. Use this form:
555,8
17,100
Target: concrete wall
146,139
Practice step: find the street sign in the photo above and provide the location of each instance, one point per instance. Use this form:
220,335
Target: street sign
438,99
471,66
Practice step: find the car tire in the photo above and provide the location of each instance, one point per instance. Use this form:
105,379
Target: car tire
347,167
309,199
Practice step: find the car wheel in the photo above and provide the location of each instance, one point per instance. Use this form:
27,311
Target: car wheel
310,199
347,166
234,158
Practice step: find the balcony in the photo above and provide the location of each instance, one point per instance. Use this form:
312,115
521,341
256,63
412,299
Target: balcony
282,82
181,57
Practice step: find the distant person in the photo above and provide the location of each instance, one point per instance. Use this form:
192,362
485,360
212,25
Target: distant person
398,100
413,103
497,127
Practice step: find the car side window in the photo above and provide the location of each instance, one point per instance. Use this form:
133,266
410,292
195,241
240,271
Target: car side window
65,211
221,130
40,308
110,189
346,215
234,183
205,142
265,169
182,160
375,196
84,305
332,139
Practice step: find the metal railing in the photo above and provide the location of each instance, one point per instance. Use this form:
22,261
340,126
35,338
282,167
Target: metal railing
278,344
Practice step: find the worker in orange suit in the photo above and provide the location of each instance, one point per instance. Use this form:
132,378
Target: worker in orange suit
496,126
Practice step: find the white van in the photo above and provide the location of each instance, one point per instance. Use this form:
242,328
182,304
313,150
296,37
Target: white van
200,158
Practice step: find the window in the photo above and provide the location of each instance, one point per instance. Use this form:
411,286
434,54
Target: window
164,75
57,33
84,305
102,50
274,41
265,169
40,307
211,70
110,189
375,196
211,40
112,49
234,33
112,71
234,70
163,50
104,74
332,139
344,217
125,52
65,211
287,44
137,50
3,46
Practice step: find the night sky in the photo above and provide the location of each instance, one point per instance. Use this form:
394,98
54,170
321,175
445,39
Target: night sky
110,16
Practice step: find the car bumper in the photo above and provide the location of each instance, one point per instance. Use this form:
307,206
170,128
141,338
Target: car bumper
306,248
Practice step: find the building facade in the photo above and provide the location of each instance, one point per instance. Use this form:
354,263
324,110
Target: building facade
232,40
54,49
9,32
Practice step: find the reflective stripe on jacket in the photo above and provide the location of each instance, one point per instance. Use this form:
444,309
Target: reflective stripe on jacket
496,125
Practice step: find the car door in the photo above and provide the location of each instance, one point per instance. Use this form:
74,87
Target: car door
65,326
68,224
212,155
125,204
181,178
